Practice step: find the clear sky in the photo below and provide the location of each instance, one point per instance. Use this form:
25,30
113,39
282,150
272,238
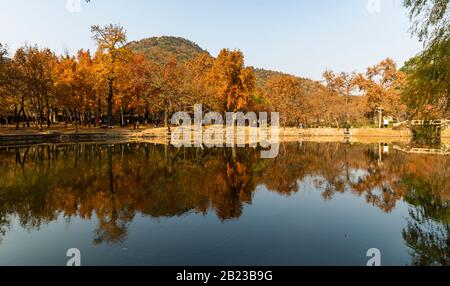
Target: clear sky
301,37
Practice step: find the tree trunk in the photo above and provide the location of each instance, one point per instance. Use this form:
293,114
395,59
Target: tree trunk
16,116
49,121
166,116
380,123
110,102
99,114
121,117
76,120
41,114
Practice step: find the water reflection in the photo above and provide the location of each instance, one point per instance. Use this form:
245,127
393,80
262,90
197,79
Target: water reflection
114,183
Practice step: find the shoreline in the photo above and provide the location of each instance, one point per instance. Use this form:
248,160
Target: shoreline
11,136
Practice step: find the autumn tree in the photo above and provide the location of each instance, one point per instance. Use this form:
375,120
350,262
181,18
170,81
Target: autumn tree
66,87
343,84
383,84
3,79
286,96
167,90
234,83
74,85
110,40
35,67
13,89
197,85
86,80
135,85
3,61
324,106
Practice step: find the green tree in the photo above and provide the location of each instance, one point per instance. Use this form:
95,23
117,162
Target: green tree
431,19
428,82
429,73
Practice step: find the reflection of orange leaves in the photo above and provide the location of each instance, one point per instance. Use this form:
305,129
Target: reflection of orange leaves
51,183
240,168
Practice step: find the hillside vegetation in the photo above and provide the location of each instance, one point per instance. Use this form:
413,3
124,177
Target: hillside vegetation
159,48
182,49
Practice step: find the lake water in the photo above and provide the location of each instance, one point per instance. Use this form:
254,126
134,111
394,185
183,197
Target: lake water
144,204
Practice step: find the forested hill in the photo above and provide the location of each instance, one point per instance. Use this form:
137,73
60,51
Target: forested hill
263,75
184,50
156,47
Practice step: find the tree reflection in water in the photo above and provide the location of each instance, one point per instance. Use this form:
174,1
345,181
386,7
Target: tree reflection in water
113,183
427,233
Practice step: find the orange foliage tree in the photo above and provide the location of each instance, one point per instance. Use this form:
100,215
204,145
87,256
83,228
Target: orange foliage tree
233,83
286,96
383,84
110,40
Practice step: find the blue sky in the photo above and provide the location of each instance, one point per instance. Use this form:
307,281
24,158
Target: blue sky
301,37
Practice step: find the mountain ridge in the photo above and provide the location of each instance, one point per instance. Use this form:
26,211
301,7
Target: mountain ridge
184,50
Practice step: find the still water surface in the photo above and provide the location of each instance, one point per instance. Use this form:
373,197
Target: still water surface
143,204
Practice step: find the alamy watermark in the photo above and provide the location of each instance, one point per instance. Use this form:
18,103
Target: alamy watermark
75,257
375,257
73,6
373,6
235,130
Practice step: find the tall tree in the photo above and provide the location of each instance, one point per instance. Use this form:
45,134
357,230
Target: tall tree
197,84
74,84
3,68
343,84
286,96
428,76
110,40
4,64
325,106
430,18
234,83
135,85
66,87
35,67
383,84
3,61
167,89
14,86
429,72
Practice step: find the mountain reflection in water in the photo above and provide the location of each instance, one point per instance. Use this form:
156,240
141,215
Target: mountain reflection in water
114,184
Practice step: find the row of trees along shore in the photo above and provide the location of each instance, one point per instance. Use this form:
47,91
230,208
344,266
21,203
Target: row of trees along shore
115,85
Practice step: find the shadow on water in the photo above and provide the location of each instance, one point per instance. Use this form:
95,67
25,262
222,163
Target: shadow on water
426,135
114,183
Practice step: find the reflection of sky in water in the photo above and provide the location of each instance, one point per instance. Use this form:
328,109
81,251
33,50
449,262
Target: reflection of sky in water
320,218
300,229
358,175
